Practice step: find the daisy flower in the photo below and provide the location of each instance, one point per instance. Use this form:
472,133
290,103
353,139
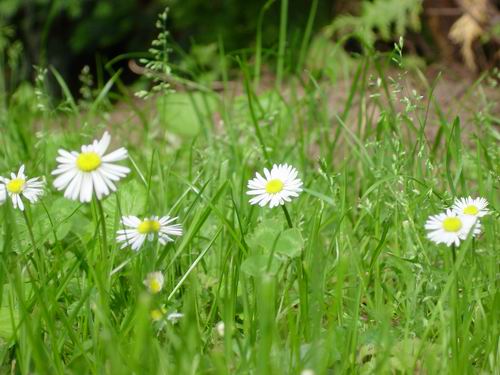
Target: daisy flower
154,282
157,314
450,228
220,328
137,230
18,186
472,207
89,171
277,186
175,317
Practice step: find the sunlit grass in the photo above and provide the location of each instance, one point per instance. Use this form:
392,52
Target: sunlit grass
350,284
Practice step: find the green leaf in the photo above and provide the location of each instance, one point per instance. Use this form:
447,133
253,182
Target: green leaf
183,113
61,211
62,217
83,228
380,19
256,265
290,243
132,196
269,234
265,234
8,319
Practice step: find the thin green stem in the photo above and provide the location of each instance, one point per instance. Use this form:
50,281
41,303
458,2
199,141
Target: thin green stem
30,230
253,115
282,42
455,303
307,35
103,225
287,215
258,44
39,263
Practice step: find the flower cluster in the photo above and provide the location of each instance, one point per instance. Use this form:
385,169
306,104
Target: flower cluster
457,222
95,172
91,172
154,284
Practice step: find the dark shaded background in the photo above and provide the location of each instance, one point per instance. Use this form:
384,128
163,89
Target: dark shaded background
69,34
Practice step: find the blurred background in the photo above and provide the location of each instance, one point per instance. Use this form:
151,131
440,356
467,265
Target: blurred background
69,35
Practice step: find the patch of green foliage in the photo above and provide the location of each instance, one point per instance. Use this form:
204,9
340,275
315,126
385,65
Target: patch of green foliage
379,20
353,287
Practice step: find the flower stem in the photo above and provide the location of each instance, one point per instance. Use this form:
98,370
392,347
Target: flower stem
103,226
456,308
287,215
39,264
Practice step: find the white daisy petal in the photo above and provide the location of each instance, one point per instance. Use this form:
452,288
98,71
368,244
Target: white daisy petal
137,243
131,221
73,190
101,146
100,187
108,175
109,183
86,188
64,179
3,193
116,155
62,169
66,155
20,173
17,202
116,170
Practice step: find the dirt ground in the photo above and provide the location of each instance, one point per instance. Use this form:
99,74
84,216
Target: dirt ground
457,92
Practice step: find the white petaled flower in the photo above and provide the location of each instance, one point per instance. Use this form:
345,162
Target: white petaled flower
154,282
450,228
18,186
175,317
90,171
137,231
157,314
470,206
220,328
277,186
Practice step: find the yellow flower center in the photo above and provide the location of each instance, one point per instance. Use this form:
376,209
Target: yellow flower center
471,210
274,186
154,286
88,161
452,224
156,314
16,185
148,226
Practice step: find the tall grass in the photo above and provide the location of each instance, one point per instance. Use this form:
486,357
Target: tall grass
363,290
